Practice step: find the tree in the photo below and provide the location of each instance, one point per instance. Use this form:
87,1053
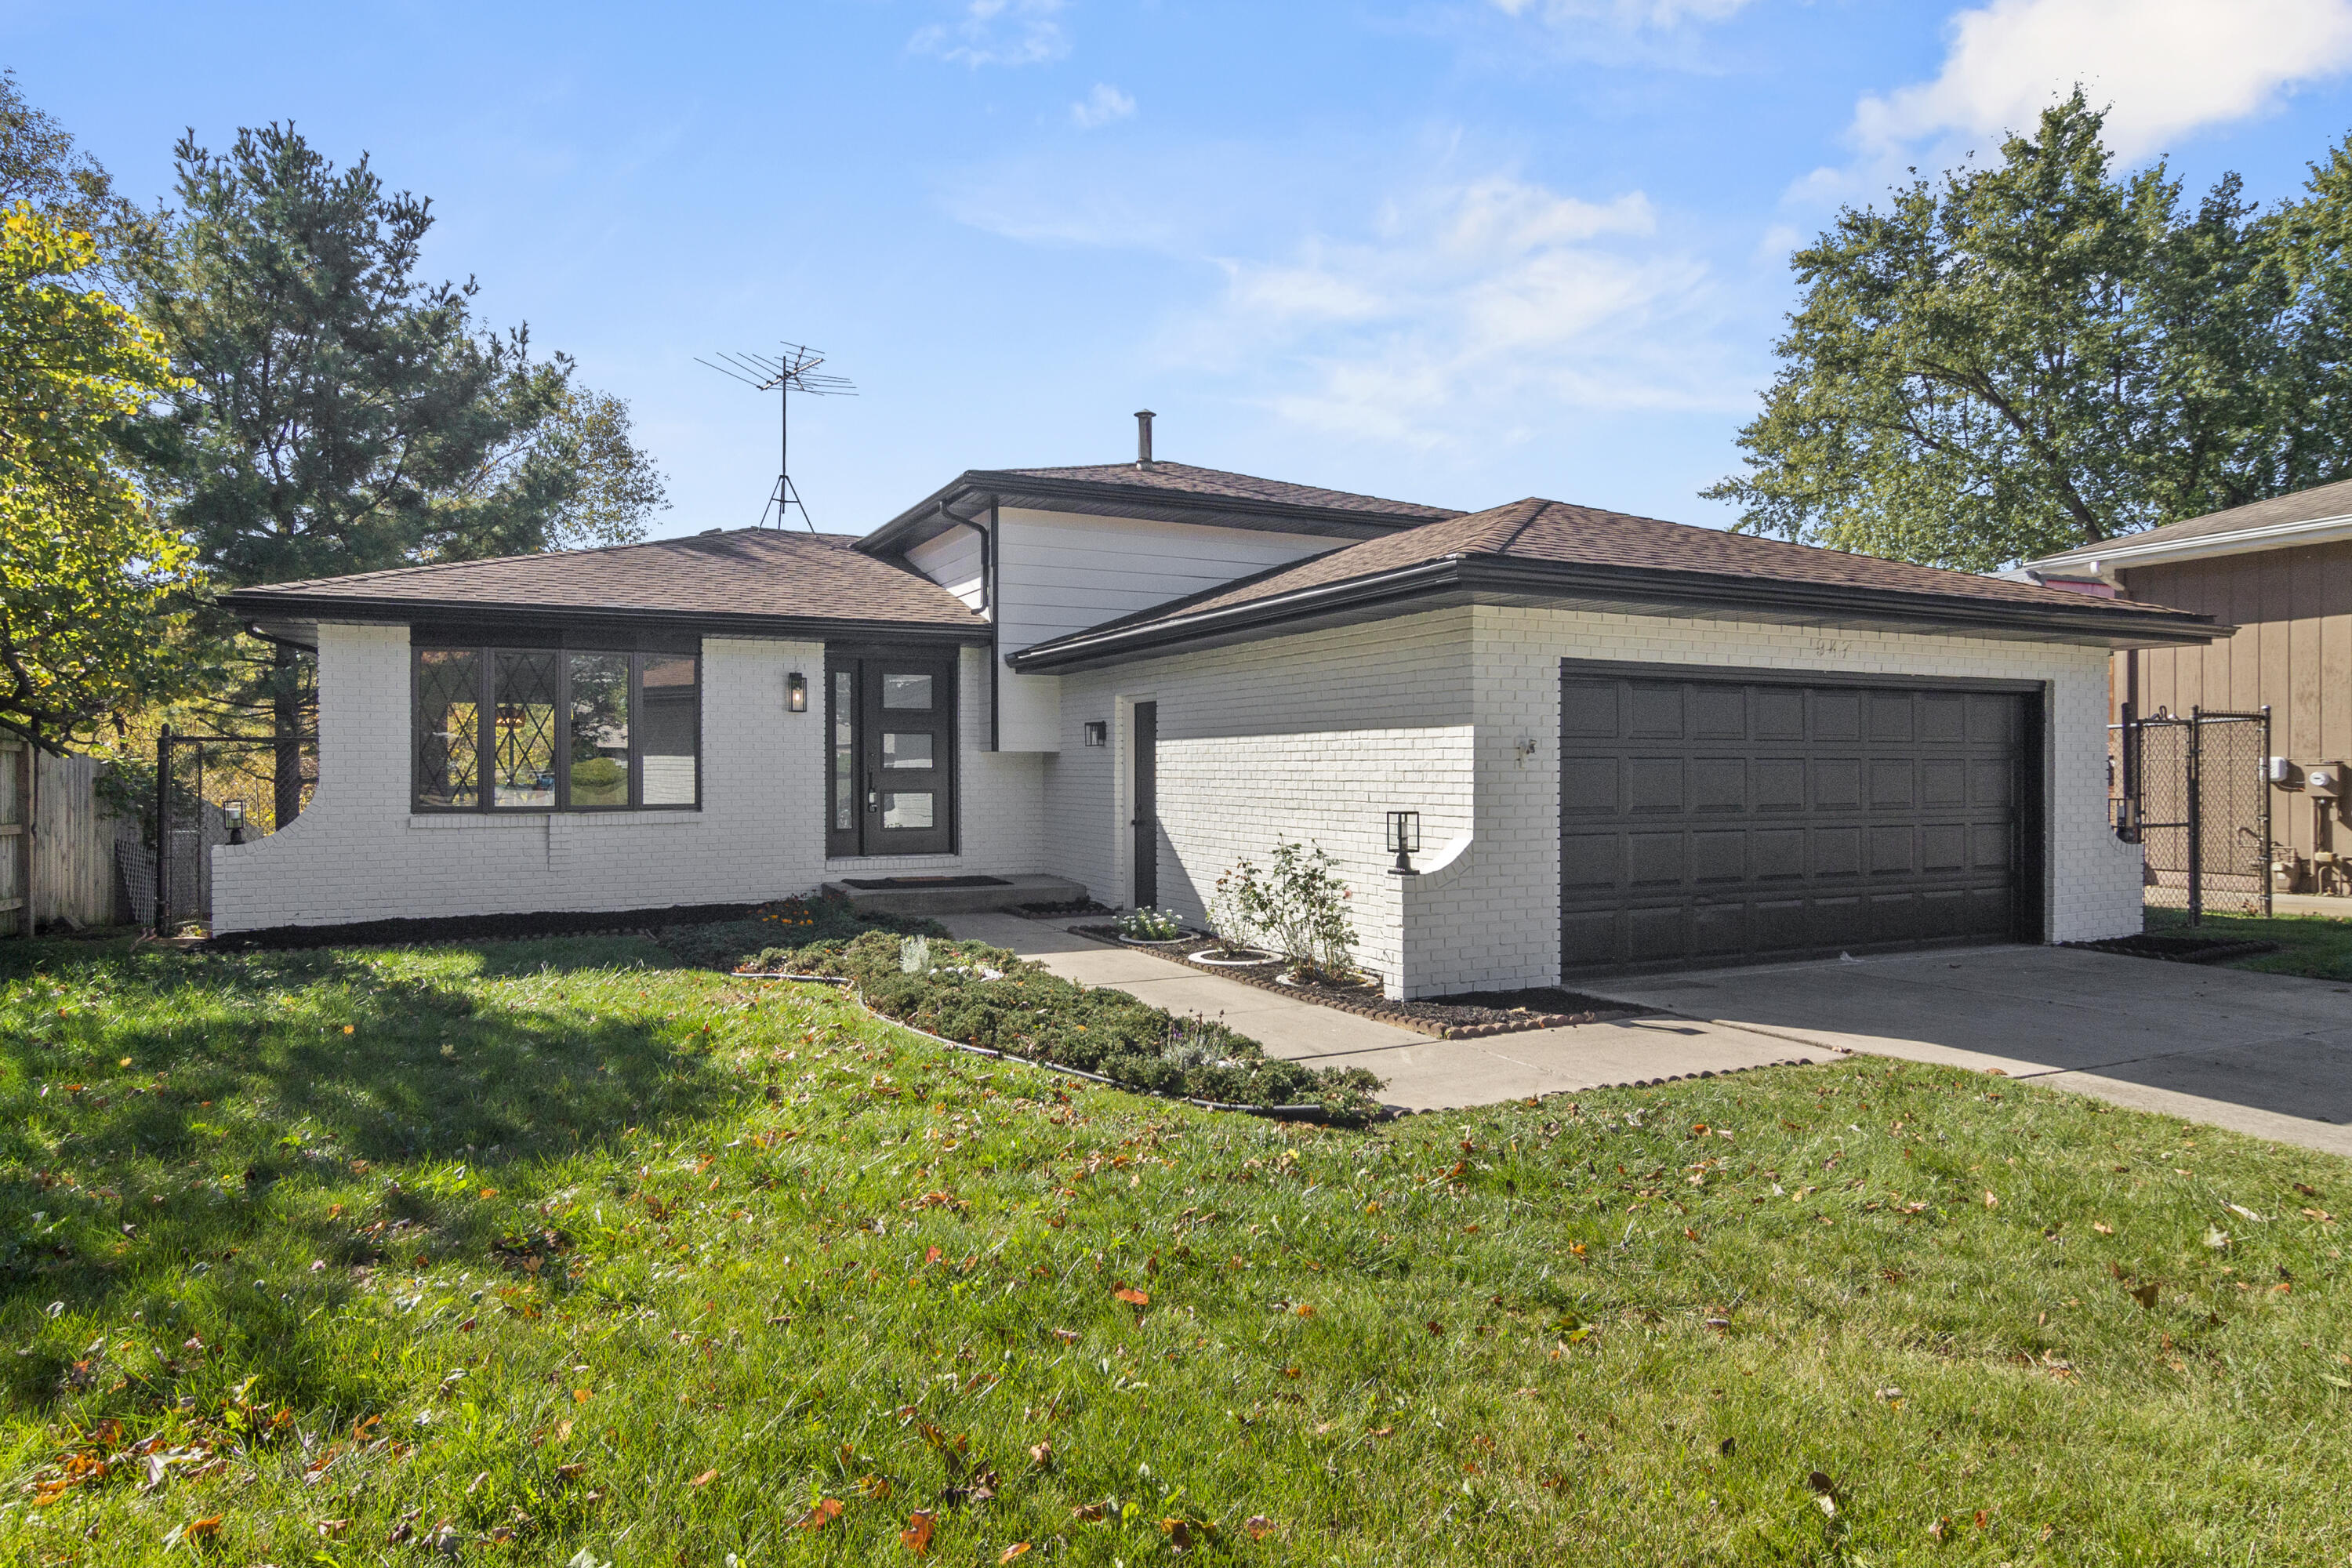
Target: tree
2037,357
87,579
38,163
340,414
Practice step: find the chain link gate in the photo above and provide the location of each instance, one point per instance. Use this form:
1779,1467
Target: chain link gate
211,790
2192,793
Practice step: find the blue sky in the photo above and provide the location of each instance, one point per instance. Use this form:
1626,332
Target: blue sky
1456,251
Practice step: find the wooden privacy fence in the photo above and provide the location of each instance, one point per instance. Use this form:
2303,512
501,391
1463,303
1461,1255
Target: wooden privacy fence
57,844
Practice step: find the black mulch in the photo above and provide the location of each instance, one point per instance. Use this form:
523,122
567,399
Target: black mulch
2181,947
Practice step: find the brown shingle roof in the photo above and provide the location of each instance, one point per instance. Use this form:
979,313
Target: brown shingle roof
1644,553
2320,503
763,573
1185,480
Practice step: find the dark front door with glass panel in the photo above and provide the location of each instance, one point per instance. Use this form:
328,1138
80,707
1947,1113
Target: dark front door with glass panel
890,788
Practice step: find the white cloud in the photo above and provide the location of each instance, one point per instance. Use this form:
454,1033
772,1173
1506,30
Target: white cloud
2166,66
998,33
1469,311
1100,107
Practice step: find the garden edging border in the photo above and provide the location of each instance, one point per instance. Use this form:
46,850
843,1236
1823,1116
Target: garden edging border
1379,1015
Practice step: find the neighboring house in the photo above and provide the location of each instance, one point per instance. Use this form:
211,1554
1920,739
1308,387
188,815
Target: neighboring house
2280,572
1628,741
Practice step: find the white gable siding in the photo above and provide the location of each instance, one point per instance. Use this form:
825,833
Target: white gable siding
1058,572
953,561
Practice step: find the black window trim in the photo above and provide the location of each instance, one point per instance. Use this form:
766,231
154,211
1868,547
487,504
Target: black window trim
485,717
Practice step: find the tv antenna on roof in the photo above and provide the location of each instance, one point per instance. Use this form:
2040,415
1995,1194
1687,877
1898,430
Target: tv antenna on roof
792,369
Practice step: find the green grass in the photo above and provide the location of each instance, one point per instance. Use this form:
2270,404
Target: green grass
554,1239
2316,946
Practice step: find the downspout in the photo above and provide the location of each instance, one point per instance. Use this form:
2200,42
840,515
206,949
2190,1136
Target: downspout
992,565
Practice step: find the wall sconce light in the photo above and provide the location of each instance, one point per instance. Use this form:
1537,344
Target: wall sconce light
796,692
1097,732
234,811
1404,837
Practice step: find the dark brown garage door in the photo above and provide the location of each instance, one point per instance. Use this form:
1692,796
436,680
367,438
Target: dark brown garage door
1712,819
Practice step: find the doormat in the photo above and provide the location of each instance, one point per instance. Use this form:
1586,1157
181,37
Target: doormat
871,884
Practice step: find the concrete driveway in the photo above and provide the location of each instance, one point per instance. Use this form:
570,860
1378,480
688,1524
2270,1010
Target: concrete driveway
2265,1054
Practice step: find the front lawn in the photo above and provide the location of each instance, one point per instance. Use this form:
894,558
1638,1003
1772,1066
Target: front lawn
510,1251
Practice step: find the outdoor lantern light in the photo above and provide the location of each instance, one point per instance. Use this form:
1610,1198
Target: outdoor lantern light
1404,837
796,692
234,811
1097,732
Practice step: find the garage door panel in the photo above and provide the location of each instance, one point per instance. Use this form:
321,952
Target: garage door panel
1718,785
1837,715
1835,852
1837,784
1780,784
1654,785
1588,786
1653,711
1891,783
1655,859
1588,709
1714,818
1719,713
1719,857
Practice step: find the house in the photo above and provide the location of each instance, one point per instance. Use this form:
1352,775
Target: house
2280,572
1627,741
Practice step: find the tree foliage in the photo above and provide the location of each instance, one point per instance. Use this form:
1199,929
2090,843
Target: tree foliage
87,576
2026,358
341,412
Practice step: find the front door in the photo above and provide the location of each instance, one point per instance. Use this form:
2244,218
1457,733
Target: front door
1146,825
890,779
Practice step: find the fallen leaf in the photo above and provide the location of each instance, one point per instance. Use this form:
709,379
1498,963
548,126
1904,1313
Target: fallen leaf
875,1487
1068,1336
2103,1228
329,1529
917,1537
704,1479
2145,1295
571,1472
1132,1296
203,1528
1727,1446
1306,1309
1820,1481
1088,1511
824,1512
1258,1526
2306,1192
1042,1455
1991,1202
1018,1548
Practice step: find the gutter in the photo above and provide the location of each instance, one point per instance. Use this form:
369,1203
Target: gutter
1469,576
402,612
2105,560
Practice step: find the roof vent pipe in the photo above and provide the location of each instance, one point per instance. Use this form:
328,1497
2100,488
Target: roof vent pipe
1143,437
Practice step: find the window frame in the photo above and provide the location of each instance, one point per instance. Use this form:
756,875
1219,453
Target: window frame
486,656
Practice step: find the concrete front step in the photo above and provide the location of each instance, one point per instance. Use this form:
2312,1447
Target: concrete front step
912,897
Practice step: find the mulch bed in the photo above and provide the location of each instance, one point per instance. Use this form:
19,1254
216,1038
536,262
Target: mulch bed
1062,911
2180,947
1470,1016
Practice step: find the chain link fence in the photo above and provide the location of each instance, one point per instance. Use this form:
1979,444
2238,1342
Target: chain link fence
2193,792
210,790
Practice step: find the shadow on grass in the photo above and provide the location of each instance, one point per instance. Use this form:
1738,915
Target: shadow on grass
161,1109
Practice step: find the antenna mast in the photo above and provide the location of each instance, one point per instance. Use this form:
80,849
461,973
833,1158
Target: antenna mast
792,369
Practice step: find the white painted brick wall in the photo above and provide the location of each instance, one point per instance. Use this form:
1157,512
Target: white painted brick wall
1316,736
1492,918
358,854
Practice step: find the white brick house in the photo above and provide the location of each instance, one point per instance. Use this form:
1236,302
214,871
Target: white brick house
1625,741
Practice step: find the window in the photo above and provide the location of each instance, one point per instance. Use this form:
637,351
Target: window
891,787
538,729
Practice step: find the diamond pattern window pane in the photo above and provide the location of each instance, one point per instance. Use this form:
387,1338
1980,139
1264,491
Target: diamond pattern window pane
523,731
448,728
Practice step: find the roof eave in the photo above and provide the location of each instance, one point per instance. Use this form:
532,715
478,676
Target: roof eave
286,611
1488,579
2123,554
1102,497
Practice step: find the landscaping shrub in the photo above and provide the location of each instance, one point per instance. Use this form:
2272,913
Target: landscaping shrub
985,995
794,921
1295,907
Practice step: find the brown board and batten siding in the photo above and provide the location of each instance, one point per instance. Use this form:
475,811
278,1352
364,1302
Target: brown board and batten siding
2293,649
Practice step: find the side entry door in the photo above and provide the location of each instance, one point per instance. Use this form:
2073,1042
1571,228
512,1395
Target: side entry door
890,780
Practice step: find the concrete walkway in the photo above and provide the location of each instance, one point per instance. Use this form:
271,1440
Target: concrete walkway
2265,1054
1421,1073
